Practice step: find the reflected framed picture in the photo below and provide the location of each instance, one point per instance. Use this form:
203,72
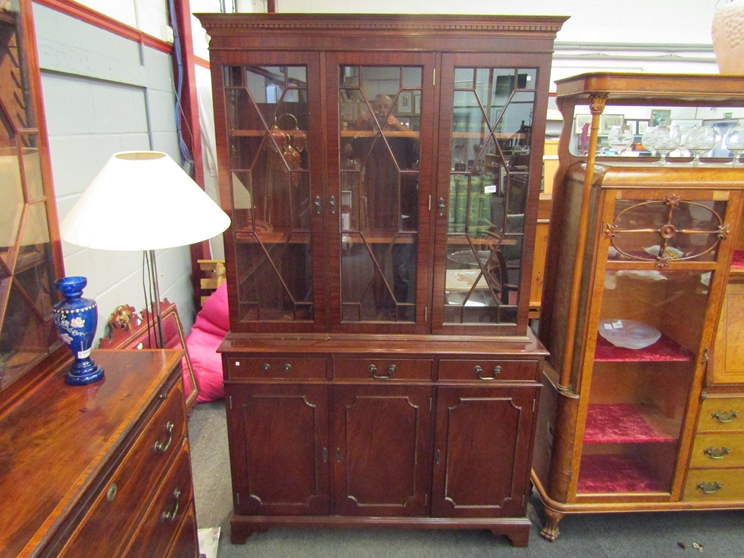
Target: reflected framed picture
417,102
660,116
642,125
610,120
405,102
580,120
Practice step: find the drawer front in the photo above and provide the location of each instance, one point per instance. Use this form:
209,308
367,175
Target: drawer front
111,517
484,370
174,499
276,368
382,369
714,485
186,544
721,413
718,450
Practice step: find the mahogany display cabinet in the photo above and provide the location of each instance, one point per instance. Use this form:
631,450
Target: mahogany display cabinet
382,174
637,414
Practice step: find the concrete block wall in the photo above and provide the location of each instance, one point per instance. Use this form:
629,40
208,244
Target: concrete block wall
104,94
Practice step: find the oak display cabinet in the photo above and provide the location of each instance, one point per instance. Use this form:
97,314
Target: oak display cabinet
634,406
382,174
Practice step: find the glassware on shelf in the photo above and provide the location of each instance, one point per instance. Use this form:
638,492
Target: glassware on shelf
667,138
620,138
648,140
699,139
734,142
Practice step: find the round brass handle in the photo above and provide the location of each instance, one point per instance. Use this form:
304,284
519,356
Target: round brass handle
287,367
111,493
171,515
266,367
717,453
478,369
163,447
725,416
710,487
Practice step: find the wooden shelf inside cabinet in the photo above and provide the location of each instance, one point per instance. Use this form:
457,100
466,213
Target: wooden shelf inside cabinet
599,474
625,423
664,350
274,237
375,133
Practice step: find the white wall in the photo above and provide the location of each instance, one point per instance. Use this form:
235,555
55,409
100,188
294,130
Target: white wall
104,94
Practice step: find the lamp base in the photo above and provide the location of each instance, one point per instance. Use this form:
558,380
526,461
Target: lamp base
83,373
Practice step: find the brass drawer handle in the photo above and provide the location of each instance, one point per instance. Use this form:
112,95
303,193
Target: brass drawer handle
266,367
478,369
287,367
710,487
163,447
386,376
725,416
171,515
717,453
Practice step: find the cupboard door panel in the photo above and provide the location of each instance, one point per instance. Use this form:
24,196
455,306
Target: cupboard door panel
482,451
381,453
278,445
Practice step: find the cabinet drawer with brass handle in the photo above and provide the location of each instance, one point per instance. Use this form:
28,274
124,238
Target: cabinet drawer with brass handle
117,506
276,368
718,450
385,369
173,502
714,485
488,370
721,413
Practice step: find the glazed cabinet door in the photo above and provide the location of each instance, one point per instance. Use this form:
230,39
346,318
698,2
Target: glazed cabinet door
272,154
659,279
488,180
381,456
380,136
482,451
278,437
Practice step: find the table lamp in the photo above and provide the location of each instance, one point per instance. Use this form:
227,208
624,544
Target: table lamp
137,185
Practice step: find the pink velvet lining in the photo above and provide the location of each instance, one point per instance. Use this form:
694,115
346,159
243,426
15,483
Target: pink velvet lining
738,261
614,474
624,423
665,349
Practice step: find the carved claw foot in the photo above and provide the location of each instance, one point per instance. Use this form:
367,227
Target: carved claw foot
550,530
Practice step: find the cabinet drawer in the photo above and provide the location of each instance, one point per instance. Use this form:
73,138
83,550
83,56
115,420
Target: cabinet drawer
173,500
111,517
382,369
718,450
714,485
276,368
721,413
185,544
484,370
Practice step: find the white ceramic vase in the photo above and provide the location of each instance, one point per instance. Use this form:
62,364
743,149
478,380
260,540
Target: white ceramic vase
728,37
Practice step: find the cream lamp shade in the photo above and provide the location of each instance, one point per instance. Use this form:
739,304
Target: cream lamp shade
142,200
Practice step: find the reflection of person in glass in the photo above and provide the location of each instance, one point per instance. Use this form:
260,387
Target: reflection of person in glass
391,201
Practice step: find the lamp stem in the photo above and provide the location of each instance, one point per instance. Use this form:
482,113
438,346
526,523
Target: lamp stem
160,339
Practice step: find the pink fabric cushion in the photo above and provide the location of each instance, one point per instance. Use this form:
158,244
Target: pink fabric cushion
209,329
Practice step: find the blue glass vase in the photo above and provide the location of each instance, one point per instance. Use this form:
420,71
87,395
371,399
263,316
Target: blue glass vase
76,318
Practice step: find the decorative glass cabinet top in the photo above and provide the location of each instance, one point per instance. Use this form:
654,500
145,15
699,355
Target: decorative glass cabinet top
26,259
380,122
267,118
489,181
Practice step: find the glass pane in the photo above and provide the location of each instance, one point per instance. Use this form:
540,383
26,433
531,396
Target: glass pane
11,208
379,115
272,200
489,183
648,339
665,230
